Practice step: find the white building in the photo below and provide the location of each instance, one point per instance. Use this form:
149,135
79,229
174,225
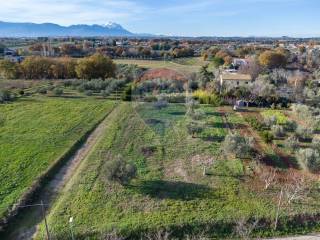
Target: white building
235,79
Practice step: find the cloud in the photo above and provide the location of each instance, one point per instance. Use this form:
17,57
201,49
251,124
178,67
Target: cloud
69,12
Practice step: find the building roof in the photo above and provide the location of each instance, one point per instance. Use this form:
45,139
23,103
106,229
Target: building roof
235,77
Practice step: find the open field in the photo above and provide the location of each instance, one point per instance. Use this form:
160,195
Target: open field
36,133
170,191
182,65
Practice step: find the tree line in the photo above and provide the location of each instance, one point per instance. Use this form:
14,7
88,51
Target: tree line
35,67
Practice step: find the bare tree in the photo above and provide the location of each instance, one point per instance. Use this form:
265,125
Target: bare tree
244,227
268,176
296,188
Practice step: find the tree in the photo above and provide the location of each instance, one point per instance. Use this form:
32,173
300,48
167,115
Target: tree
238,145
118,170
244,227
292,143
217,61
2,48
194,128
160,103
296,187
310,158
8,69
271,59
303,132
316,143
277,131
268,177
270,120
6,96
96,66
191,106
36,67
58,91
205,76
253,68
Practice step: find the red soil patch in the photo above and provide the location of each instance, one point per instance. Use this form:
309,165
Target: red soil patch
162,73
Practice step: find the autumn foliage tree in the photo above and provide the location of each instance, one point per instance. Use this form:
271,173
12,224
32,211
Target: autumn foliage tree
8,69
96,66
272,59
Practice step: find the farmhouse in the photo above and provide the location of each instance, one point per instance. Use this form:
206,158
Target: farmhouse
235,79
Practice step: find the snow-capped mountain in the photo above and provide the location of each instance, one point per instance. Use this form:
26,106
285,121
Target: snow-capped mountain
8,29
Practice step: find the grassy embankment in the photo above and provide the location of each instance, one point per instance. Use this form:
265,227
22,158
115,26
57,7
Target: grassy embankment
36,132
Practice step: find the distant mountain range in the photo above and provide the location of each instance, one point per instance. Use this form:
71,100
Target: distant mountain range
8,29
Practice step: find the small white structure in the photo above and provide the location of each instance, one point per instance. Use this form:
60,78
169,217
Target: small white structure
237,62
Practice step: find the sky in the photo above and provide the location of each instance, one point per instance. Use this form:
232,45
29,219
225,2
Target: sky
296,18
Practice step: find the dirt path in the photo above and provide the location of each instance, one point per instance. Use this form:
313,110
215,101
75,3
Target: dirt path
308,237
26,223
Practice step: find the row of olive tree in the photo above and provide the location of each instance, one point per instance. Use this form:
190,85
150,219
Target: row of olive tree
95,66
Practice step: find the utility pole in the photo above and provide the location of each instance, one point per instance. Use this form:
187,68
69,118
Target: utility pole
70,222
45,220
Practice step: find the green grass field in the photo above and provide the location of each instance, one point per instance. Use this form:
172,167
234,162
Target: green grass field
35,134
189,65
281,117
170,191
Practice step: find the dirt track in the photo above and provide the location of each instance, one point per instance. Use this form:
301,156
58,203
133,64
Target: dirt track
309,237
28,220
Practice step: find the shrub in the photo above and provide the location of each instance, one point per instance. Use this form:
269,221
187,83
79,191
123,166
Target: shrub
310,158
204,97
198,114
81,88
292,143
304,132
127,94
176,98
160,103
105,93
270,121
150,99
88,92
194,128
291,126
277,131
316,143
267,136
255,123
191,106
42,90
238,145
2,120
6,96
58,91
118,170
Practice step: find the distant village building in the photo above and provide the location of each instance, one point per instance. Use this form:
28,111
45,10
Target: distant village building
122,43
235,79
